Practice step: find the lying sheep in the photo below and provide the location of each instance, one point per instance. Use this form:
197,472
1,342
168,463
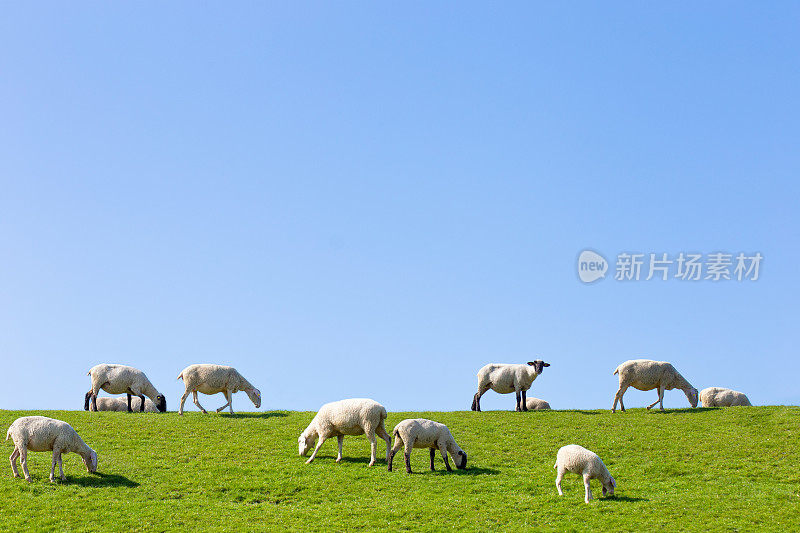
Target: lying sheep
213,379
507,378
720,397
579,460
355,416
121,379
41,434
644,374
120,404
536,404
422,433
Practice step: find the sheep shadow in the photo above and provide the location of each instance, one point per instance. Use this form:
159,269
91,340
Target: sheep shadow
98,480
623,499
266,414
580,411
687,410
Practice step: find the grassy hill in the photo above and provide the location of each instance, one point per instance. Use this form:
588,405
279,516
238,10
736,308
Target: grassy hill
686,469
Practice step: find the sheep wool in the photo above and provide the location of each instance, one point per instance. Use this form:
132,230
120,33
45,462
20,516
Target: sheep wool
355,416
721,397
213,379
578,460
122,379
644,374
423,433
537,404
506,378
41,434
119,403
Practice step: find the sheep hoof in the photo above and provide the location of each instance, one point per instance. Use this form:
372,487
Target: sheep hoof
29,480
339,460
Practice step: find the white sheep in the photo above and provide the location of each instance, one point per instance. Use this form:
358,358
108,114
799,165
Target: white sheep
121,379
644,374
213,379
579,460
119,403
507,378
721,397
422,433
537,404
356,416
41,434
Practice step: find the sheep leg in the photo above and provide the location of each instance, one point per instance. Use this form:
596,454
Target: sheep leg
319,445
373,446
13,459
141,397
659,400
24,461
476,400
94,400
61,467
398,443
130,410
443,450
559,477
588,488
339,441
517,394
433,456
385,436
197,402
183,400
618,397
408,447
56,459
524,400
227,397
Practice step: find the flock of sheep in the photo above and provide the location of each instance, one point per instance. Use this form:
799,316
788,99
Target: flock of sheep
358,416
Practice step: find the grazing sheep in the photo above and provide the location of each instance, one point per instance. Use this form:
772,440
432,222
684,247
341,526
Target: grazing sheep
121,379
644,374
355,416
720,397
422,433
579,460
41,434
213,379
118,403
536,404
506,378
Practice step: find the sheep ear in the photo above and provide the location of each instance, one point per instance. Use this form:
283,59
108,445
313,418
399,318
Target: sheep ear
531,363
546,364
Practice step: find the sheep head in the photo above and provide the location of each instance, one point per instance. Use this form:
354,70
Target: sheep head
90,460
538,365
255,396
161,403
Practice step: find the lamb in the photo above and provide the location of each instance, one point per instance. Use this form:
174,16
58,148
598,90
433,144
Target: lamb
119,404
506,378
536,404
422,433
356,416
121,379
645,374
720,397
579,460
213,379
40,434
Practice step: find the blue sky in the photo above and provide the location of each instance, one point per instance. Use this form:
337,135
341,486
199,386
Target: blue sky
361,199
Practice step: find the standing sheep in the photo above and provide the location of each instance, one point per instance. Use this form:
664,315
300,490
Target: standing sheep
41,434
507,378
213,379
644,374
579,460
720,397
422,433
536,404
119,404
121,379
356,416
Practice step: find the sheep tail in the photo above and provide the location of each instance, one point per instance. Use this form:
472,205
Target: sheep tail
383,413
180,376
8,433
395,432
555,465
616,371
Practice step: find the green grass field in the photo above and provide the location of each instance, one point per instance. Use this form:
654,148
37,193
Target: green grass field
686,469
